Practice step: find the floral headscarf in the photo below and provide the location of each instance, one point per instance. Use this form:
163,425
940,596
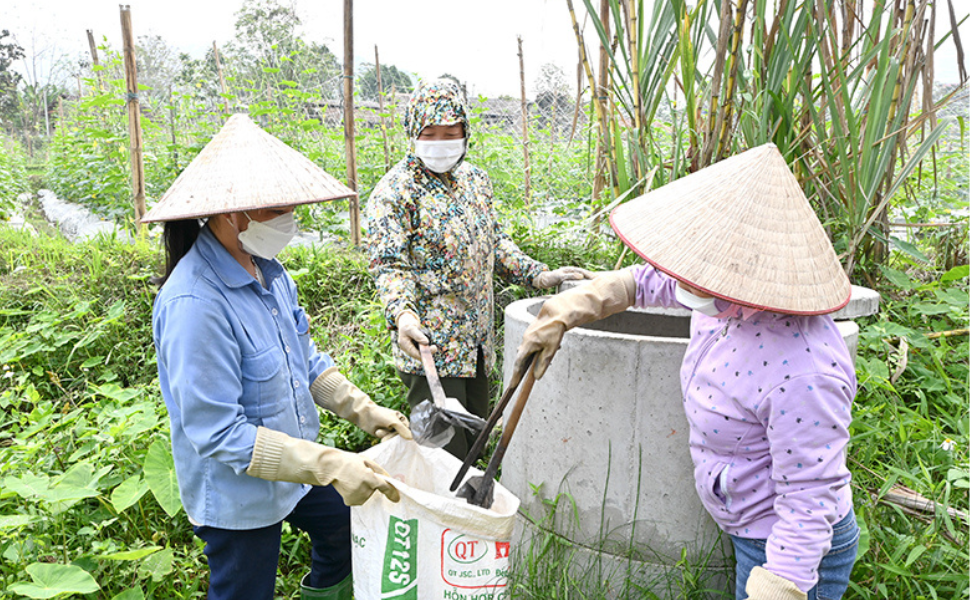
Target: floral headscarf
437,102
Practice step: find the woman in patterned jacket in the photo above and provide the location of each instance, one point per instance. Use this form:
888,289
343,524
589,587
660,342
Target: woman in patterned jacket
434,246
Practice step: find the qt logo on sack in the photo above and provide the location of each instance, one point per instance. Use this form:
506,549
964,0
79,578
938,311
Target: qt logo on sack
401,560
472,564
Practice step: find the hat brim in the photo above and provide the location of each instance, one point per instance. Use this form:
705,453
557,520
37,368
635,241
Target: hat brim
741,230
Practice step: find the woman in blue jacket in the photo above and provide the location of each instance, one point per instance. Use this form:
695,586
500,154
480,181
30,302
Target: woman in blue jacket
241,377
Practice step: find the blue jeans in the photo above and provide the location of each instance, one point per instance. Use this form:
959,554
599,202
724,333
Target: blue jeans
833,572
242,563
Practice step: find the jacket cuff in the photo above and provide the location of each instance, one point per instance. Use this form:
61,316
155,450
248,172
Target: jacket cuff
267,453
325,385
406,311
765,585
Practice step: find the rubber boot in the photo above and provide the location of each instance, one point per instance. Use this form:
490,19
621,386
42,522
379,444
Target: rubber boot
341,591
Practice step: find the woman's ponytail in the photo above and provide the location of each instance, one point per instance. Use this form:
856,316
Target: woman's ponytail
179,237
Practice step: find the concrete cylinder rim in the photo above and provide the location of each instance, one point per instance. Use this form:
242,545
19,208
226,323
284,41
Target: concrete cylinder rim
520,311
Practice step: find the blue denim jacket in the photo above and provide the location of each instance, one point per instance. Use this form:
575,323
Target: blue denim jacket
233,355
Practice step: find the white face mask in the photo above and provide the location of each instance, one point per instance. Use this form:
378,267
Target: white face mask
695,302
440,156
266,239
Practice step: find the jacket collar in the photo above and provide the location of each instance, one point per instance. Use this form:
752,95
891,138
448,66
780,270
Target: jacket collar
227,268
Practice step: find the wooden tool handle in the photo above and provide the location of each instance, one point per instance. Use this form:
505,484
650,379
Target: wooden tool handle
493,418
437,392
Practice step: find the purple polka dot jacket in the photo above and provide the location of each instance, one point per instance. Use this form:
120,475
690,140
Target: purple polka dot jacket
769,403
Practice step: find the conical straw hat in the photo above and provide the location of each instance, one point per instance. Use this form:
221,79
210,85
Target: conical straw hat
245,168
742,230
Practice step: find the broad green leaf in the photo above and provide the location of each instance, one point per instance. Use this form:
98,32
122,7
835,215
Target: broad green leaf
158,565
128,493
50,580
116,392
925,308
14,521
160,474
28,485
897,278
953,296
133,593
910,249
92,362
138,554
79,475
956,273
78,483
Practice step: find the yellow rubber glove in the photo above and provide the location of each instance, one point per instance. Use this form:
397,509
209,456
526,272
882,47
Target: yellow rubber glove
607,294
551,279
279,457
409,334
765,585
334,392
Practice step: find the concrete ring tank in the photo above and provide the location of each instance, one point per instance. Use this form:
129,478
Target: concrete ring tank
606,424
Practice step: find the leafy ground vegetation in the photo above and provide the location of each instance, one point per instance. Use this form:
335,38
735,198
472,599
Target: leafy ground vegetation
88,501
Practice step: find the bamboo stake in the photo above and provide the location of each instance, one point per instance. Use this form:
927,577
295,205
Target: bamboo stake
222,80
134,117
604,65
380,105
905,42
597,102
632,41
929,108
350,147
525,127
94,59
728,104
175,146
714,114
600,91
579,98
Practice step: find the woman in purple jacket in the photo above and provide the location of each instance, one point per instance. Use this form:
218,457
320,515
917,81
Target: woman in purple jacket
767,379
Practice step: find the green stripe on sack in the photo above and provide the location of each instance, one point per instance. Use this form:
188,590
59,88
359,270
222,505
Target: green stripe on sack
400,575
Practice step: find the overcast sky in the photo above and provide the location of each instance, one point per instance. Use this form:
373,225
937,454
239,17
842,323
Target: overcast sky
474,40
477,45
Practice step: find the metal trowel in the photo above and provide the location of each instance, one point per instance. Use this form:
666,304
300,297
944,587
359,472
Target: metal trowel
433,421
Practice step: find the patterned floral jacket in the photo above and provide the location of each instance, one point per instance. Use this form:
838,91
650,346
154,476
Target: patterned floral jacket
434,247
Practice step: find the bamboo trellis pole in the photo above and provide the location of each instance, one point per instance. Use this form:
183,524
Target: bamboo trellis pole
380,105
94,59
579,98
714,114
632,40
525,126
134,116
597,101
728,104
175,146
350,147
603,150
222,79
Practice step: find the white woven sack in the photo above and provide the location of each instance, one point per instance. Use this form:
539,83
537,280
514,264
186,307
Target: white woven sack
431,545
